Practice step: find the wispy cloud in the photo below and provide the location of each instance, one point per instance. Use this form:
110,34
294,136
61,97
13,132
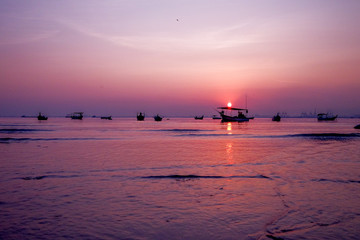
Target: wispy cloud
206,40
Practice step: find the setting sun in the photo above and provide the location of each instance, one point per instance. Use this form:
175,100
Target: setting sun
229,104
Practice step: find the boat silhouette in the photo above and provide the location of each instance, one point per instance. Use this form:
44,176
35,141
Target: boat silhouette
41,117
276,118
140,116
77,115
326,117
157,118
227,114
108,118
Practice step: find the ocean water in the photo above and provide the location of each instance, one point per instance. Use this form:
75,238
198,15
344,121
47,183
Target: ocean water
179,179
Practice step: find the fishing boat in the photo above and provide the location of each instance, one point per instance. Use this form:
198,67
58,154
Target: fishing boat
108,118
227,114
357,126
157,118
41,117
140,116
77,115
326,117
276,118
199,117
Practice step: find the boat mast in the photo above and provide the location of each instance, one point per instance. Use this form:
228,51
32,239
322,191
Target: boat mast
245,101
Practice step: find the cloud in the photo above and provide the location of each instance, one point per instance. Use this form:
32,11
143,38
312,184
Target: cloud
214,39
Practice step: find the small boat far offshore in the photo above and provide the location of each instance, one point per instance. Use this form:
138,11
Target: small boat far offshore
276,118
157,118
108,118
77,115
41,117
357,126
199,117
326,117
229,117
140,116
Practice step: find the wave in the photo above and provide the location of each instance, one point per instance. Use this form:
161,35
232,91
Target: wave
21,130
50,176
177,176
16,125
315,136
335,180
327,135
10,140
211,135
180,130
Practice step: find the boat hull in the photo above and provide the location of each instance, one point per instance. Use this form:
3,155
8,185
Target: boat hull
226,118
77,117
276,118
158,118
322,118
107,118
140,117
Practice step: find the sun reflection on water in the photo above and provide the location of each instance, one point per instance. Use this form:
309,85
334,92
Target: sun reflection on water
229,128
229,153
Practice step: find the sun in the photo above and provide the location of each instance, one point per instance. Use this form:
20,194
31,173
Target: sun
229,104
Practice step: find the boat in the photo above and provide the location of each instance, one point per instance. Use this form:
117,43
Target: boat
357,126
199,117
276,118
326,117
140,116
77,115
227,115
108,118
216,117
41,117
157,118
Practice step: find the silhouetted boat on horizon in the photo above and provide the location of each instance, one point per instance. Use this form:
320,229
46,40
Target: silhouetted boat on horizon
357,126
41,117
276,118
157,118
76,115
326,117
199,117
108,118
140,116
228,116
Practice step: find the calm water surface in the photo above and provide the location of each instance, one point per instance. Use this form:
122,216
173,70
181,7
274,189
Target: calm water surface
179,179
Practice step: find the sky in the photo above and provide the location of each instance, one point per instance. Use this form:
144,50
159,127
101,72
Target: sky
179,57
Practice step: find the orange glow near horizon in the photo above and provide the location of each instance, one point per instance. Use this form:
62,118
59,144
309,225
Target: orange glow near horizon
180,68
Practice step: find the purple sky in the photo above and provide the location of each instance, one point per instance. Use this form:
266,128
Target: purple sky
179,58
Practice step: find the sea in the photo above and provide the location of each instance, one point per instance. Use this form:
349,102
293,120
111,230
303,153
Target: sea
180,178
